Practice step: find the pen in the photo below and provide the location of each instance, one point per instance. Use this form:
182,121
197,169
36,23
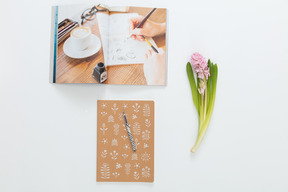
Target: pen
129,132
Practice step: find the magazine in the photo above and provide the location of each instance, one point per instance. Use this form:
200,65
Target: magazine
109,45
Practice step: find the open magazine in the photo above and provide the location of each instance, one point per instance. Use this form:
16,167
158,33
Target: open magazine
111,45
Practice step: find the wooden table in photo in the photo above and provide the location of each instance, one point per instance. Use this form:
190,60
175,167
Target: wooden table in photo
70,70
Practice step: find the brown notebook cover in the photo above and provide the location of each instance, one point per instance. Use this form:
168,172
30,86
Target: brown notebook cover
116,161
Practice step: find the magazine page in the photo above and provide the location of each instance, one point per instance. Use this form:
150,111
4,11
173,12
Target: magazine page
103,22
79,45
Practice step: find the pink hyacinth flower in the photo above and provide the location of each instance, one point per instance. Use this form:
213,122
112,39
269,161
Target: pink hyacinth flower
200,66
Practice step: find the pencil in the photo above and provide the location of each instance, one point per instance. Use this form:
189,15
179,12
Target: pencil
150,44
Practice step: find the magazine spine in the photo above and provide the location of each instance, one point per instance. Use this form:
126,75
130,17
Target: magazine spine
53,51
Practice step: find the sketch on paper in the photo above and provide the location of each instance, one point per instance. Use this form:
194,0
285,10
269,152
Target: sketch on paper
118,48
124,50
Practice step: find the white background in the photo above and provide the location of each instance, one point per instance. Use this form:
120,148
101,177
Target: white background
48,131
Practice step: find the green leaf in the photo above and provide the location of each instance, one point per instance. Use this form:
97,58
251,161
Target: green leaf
209,85
213,88
193,86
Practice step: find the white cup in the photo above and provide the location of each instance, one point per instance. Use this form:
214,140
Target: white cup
80,38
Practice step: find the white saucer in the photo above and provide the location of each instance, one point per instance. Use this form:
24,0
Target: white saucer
92,49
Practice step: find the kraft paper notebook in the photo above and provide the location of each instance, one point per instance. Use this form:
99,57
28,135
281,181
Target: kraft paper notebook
116,161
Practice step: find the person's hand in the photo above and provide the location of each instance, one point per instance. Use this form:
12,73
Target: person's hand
149,29
154,67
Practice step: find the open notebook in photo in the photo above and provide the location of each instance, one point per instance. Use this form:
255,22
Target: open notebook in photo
109,45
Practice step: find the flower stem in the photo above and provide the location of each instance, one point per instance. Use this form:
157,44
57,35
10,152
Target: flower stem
205,104
201,122
199,138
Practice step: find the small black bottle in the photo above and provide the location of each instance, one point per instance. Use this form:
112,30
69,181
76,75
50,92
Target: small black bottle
100,73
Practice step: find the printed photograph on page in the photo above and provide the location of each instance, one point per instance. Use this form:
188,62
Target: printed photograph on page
109,45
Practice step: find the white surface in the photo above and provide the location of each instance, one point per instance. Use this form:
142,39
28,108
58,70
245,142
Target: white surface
92,49
48,132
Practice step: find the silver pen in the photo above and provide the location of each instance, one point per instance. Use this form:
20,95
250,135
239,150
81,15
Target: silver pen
129,132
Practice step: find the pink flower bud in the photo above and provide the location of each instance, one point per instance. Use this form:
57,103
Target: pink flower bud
200,66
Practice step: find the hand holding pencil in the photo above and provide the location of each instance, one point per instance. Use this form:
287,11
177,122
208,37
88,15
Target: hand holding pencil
141,27
149,28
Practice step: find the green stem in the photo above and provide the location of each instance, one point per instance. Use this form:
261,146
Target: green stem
200,137
201,117
203,128
201,123
205,103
